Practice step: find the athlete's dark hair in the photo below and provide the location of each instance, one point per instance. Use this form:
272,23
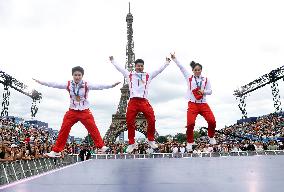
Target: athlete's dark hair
139,61
77,68
193,65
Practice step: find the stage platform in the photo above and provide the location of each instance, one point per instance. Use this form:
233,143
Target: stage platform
228,174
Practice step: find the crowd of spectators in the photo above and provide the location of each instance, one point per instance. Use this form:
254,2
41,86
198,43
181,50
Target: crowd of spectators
20,142
28,142
265,133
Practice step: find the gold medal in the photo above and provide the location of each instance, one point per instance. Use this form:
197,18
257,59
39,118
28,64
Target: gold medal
78,98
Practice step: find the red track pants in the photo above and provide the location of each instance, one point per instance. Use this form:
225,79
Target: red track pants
136,105
70,118
203,109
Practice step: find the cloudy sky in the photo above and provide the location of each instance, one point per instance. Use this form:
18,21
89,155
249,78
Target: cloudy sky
236,41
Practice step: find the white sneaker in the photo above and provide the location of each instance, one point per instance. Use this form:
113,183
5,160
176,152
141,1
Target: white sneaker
152,144
103,149
212,141
53,154
189,147
131,147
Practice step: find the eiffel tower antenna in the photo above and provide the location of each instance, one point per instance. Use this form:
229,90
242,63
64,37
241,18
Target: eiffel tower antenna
118,125
130,55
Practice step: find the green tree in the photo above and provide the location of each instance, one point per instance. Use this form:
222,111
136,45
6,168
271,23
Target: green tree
202,132
88,139
196,134
162,139
180,137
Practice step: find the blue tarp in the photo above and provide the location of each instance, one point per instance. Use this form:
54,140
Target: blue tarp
247,120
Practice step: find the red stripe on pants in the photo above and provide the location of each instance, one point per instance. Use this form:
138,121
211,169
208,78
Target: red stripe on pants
70,118
203,109
136,105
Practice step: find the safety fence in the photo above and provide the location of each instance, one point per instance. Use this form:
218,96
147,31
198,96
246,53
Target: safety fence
184,155
16,170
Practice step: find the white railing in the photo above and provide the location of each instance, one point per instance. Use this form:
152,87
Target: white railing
182,155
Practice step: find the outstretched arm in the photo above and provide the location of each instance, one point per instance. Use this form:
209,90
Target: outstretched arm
101,87
120,69
182,68
52,84
157,72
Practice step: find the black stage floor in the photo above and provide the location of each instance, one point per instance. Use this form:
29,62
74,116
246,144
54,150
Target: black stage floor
229,174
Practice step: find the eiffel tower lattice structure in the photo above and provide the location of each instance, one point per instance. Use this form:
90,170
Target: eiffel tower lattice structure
118,125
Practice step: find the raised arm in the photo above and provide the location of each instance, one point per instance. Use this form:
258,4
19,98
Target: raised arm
52,84
182,68
157,72
120,69
101,87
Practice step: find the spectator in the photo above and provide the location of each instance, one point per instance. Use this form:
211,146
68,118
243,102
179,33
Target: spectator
85,153
175,149
272,146
182,148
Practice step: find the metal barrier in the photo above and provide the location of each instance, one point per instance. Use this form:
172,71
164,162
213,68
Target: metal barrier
16,170
184,155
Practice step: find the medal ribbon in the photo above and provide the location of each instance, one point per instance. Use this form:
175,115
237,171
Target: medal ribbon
140,76
198,84
76,92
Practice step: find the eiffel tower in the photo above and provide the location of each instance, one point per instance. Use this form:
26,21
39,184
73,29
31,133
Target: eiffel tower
118,125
